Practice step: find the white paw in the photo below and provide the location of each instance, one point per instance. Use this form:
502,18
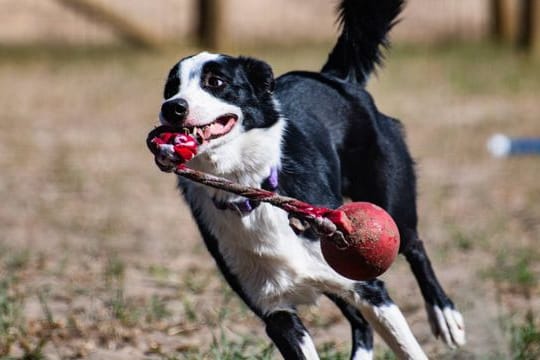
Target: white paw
447,323
363,354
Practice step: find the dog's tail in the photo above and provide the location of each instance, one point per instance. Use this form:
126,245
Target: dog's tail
364,28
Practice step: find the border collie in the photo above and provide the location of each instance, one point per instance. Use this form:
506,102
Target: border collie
318,137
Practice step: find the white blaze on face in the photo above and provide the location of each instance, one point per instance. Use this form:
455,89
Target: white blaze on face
204,107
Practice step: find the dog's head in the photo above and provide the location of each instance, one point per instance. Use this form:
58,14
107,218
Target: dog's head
219,98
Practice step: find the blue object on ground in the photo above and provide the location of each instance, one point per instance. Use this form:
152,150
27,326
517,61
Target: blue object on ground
501,145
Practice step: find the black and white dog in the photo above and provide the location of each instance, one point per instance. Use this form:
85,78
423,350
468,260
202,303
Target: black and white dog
317,137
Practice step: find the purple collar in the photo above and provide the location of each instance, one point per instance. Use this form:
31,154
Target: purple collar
244,207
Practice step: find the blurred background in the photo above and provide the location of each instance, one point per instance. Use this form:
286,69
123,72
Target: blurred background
99,258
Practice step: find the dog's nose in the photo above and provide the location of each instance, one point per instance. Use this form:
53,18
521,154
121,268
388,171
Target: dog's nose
174,111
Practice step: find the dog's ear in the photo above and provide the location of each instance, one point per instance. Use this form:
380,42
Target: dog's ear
259,74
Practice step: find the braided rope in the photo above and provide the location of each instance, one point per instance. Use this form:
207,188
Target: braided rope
330,224
319,218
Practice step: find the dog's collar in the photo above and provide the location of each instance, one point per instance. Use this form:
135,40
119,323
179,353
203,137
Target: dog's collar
244,207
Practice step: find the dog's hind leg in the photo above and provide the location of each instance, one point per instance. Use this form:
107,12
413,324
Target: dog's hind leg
376,306
290,336
446,322
362,333
389,181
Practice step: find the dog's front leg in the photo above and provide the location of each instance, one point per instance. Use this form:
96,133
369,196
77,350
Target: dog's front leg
446,322
290,336
362,333
385,317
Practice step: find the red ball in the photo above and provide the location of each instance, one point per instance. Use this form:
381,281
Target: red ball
374,243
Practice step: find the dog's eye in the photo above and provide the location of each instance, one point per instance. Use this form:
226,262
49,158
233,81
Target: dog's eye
213,81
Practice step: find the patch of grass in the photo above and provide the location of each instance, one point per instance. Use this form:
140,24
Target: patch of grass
313,317
114,269
122,309
189,310
195,280
525,341
42,297
13,330
18,260
60,266
466,238
159,272
231,306
247,348
10,317
133,312
157,309
331,351
463,240
515,269
37,354
387,354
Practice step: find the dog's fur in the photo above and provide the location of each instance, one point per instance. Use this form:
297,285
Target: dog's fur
324,134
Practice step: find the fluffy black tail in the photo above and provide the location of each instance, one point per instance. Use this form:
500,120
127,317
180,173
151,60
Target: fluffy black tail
364,28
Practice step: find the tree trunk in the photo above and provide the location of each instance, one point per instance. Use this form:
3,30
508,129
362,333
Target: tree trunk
525,25
505,20
210,31
535,28
495,18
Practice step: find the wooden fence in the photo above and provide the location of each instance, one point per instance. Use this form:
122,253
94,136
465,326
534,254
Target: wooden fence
219,23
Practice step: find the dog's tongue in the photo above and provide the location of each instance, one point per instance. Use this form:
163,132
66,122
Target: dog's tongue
218,128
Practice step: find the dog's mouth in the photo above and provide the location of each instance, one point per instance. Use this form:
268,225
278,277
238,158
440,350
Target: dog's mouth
214,130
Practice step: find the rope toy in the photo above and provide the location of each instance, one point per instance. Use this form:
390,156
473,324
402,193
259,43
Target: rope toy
359,240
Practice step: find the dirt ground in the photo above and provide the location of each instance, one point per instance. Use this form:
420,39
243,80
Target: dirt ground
99,258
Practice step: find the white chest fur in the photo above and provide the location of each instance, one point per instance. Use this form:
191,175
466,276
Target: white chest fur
275,267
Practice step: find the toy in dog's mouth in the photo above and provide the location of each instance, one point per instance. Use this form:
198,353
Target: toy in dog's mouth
214,130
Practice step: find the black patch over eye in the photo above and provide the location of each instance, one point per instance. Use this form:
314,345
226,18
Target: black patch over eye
213,81
171,88
173,83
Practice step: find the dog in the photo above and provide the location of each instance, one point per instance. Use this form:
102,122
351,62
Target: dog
318,137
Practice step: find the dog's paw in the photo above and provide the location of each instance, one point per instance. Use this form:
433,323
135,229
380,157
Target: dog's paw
447,323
